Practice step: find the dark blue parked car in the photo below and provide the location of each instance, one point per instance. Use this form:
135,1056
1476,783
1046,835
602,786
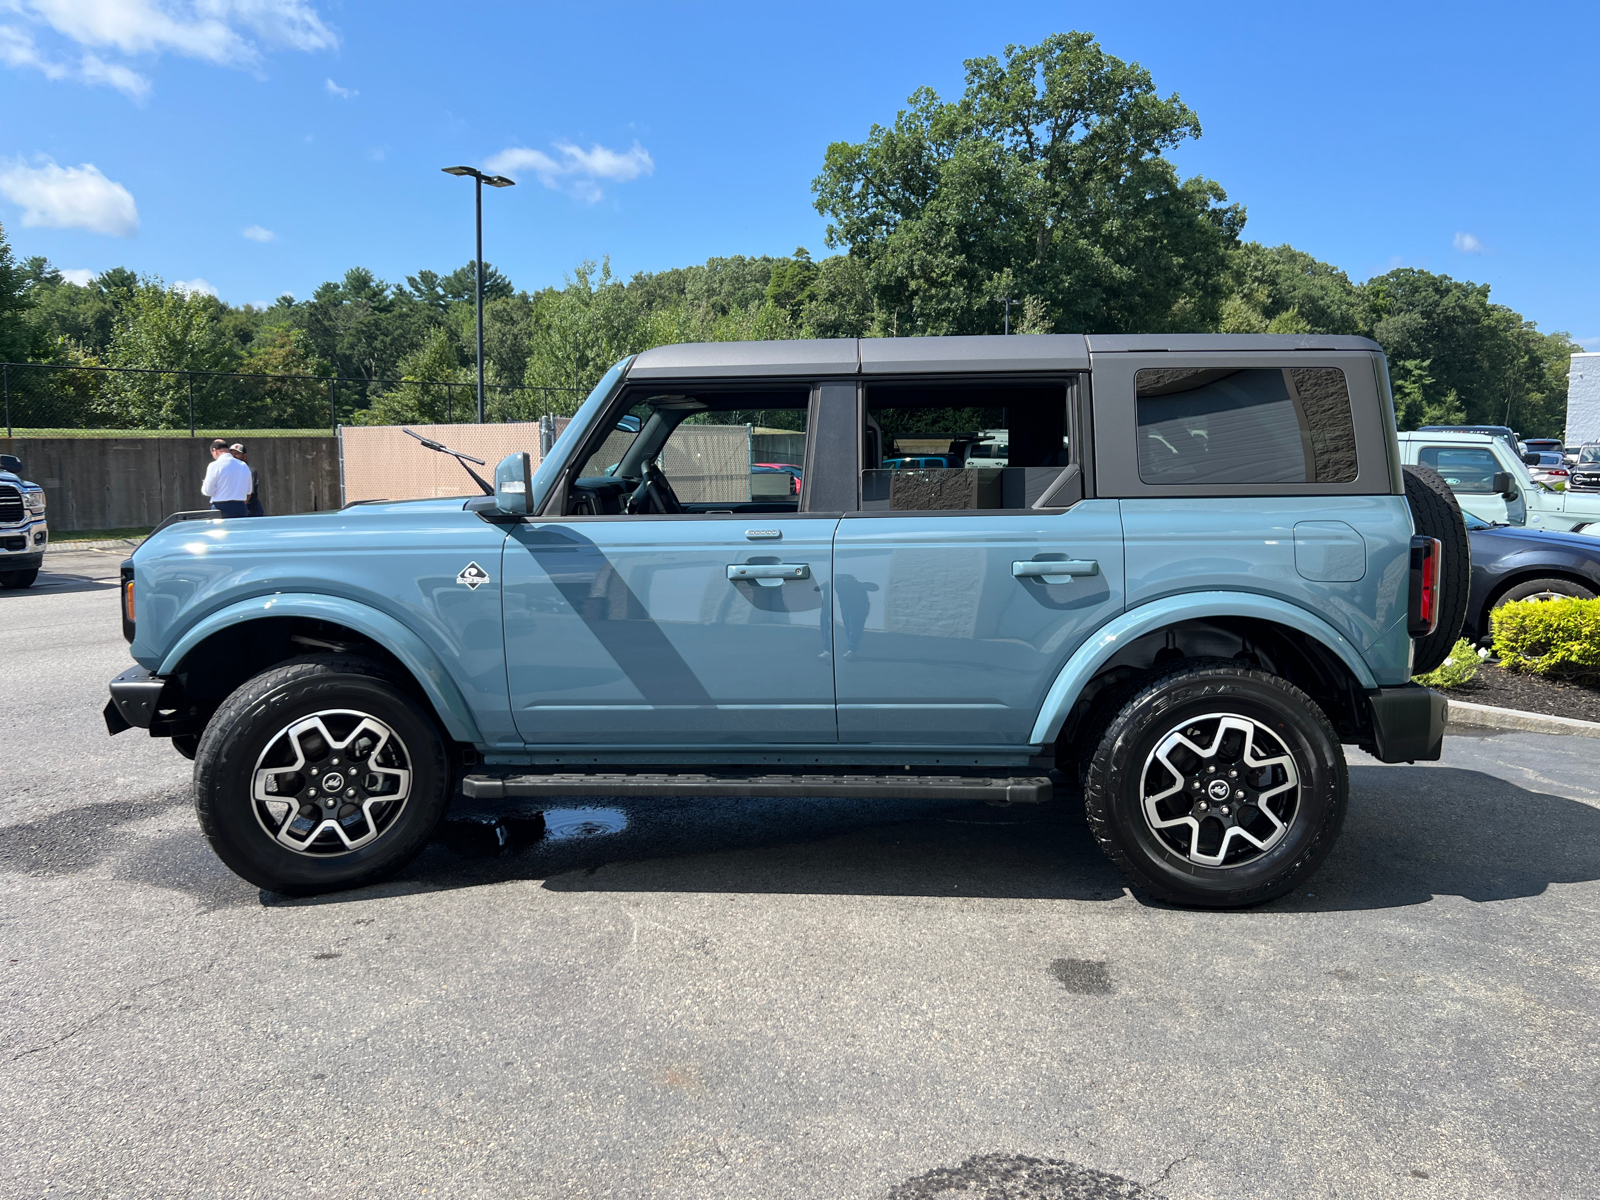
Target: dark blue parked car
1512,563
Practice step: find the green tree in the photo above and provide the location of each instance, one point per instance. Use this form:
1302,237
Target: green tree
164,332
1046,179
279,403
421,399
363,326
16,334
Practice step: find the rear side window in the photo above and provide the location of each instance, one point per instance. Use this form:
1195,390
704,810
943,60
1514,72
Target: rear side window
977,447
1206,425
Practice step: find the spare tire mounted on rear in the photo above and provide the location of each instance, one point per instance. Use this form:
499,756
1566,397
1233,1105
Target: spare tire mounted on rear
1436,514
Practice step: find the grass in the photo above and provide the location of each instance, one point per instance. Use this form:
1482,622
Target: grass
100,535
239,434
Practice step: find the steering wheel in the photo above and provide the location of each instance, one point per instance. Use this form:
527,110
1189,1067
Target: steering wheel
654,494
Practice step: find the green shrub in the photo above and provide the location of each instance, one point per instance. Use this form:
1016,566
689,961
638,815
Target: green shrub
1559,639
1455,670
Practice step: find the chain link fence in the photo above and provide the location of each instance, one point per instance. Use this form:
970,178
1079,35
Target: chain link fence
70,400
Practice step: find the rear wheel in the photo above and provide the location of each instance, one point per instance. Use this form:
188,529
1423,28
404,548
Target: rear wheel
319,775
16,580
1217,786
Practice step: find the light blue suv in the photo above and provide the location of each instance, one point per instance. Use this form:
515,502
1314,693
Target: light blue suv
1193,576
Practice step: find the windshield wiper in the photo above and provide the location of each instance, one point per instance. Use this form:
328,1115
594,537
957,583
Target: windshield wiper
461,458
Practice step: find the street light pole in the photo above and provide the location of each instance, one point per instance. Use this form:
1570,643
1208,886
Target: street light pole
479,179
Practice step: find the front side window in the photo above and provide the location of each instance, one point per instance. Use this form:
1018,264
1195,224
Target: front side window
698,453
1208,425
933,448
1469,470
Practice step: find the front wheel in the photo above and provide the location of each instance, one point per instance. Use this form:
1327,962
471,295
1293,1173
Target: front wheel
17,580
319,775
1218,786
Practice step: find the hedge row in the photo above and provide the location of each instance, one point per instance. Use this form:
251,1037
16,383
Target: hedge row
1559,639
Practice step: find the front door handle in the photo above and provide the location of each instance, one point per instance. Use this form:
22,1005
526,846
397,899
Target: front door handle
1058,571
767,574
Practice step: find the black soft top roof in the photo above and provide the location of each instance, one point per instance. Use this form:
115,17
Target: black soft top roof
946,355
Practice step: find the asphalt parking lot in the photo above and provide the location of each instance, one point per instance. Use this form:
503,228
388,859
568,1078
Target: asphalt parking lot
779,999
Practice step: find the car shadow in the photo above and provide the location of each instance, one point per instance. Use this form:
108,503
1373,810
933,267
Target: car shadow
54,582
1412,834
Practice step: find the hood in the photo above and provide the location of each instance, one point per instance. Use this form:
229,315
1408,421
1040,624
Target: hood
354,525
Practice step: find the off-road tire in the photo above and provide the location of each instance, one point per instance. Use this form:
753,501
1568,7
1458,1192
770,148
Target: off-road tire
1192,690
17,580
256,713
1436,514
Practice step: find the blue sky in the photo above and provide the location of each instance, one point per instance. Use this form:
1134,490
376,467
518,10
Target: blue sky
262,146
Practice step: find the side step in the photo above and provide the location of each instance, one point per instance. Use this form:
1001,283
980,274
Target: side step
1030,789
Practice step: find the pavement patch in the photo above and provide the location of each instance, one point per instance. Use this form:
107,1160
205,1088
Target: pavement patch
1018,1177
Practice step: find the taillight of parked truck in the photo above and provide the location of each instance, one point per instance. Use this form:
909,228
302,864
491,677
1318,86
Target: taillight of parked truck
1423,613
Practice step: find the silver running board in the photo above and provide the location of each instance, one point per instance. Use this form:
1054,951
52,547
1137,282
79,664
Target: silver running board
1030,789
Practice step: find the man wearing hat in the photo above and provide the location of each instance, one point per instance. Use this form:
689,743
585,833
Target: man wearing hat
253,501
227,483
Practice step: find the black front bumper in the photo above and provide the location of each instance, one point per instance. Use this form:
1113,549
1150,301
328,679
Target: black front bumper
21,562
1408,723
135,700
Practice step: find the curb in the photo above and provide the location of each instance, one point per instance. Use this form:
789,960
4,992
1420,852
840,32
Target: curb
108,544
1486,716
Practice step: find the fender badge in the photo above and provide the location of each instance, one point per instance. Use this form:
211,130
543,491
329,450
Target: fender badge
472,575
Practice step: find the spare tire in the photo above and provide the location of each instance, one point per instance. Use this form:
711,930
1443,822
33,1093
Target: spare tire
1435,514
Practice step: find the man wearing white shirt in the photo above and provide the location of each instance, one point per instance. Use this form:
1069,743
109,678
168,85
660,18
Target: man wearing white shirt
227,482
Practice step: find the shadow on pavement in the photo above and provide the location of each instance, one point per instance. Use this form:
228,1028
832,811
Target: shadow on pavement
1412,834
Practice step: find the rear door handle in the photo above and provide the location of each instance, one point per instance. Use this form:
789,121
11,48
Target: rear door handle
1059,571
767,574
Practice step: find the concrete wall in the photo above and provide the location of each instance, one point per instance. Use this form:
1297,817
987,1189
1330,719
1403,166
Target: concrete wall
124,483
1583,400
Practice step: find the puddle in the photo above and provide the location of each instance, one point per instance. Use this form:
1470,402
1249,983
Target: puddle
566,824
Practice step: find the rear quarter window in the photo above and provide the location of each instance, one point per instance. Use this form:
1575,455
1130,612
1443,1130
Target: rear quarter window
1205,425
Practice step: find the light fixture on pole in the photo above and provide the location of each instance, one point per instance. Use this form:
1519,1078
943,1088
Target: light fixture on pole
498,181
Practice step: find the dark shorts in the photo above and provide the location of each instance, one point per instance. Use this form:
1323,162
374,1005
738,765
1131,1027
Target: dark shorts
230,508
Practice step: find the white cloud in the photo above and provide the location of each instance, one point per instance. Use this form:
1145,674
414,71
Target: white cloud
226,32
17,49
194,287
577,170
343,93
69,197
81,276
1468,244
257,234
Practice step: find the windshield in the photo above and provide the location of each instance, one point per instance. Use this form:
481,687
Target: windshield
1475,522
550,465
1589,454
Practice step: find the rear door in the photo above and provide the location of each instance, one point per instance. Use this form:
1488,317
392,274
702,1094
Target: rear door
960,594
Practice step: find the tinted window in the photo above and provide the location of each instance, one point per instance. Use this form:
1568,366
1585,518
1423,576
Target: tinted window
1467,469
941,447
1203,425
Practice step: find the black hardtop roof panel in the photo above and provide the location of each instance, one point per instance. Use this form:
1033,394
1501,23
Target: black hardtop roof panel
710,360
993,352
1190,343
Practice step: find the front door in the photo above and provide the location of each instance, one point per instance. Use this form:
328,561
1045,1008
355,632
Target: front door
960,592
1470,472
703,625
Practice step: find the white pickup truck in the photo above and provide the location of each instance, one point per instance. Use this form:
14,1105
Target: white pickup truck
23,532
1494,484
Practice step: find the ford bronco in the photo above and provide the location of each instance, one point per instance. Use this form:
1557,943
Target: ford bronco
1196,573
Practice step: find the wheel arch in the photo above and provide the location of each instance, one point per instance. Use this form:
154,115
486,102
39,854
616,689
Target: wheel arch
1271,633
245,638
1523,575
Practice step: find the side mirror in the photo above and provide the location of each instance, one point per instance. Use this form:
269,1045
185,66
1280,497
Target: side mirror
628,423
10,462
511,484
1501,483
1532,458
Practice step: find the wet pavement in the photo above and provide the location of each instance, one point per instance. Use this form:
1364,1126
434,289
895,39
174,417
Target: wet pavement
778,998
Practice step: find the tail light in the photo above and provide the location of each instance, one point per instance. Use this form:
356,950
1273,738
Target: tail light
1422,616
127,600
